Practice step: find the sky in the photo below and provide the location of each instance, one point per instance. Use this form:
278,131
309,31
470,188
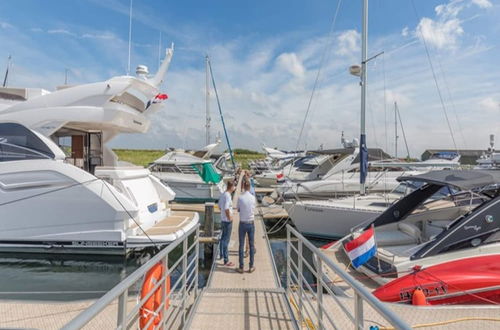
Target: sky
440,63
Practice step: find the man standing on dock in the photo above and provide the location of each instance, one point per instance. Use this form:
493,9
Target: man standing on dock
226,215
246,205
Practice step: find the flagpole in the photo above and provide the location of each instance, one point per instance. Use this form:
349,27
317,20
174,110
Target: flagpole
376,248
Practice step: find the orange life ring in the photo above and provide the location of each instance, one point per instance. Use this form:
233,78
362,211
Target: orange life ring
154,301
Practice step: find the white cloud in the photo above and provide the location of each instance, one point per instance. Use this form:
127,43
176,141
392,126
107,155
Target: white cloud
482,3
446,30
102,35
291,63
36,29
441,34
61,31
490,104
348,43
5,25
405,32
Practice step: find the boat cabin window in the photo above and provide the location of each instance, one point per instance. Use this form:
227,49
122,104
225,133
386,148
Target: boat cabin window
19,143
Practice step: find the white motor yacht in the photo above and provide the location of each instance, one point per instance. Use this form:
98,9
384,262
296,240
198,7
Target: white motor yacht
192,178
489,160
50,206
449,248
81,120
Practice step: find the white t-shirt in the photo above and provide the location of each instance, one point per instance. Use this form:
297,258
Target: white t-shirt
246,205
225,203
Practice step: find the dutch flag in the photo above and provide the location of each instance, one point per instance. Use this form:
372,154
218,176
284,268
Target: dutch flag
362,248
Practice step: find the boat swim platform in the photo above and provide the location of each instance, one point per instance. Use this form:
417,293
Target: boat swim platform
243,301
195,207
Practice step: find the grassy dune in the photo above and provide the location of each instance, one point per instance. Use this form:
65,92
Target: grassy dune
145,157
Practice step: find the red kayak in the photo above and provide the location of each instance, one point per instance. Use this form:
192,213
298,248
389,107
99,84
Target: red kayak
466,281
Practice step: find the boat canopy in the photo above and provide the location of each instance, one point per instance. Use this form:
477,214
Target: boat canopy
466,180
207,172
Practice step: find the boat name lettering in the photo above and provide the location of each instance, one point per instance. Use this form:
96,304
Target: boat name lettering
94,243
476,228
429,290
313,209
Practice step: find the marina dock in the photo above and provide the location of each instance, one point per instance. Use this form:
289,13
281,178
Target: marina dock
243,301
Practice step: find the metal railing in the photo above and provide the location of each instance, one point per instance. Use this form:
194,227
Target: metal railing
172,310
310,299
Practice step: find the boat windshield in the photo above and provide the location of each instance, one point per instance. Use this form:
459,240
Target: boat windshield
19,143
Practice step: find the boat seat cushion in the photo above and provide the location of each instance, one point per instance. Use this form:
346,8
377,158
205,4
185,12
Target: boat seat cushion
405,235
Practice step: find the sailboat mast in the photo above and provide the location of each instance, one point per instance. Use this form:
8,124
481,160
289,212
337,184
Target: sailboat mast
363,160
396,130
207,102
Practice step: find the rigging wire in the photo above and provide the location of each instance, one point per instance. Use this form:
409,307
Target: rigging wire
385,104
220,112
403,130
450,97
318,74
435,81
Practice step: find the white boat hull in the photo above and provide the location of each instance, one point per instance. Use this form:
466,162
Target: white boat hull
326,221
195,191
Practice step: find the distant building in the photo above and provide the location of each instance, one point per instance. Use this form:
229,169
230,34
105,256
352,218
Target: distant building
467,157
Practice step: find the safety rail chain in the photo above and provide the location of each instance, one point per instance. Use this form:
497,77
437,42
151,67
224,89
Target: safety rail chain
172,310
315,315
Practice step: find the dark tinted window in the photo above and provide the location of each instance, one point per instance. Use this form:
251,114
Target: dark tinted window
17,143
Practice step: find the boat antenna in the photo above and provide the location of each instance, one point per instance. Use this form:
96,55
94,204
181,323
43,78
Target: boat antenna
129,37
6,77
220,112
207,101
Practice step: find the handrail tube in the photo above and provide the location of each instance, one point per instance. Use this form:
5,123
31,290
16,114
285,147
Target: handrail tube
388,314
334,296
84,317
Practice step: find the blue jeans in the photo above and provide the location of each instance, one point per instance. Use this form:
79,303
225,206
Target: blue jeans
243,230
227,227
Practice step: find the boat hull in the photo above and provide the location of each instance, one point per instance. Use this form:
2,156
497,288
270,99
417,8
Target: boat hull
195,192
473,280
326,222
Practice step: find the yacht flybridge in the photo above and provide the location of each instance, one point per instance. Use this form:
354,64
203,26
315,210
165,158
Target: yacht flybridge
449,248
65,192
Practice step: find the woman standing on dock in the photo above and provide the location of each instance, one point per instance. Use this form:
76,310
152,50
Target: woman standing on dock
226,215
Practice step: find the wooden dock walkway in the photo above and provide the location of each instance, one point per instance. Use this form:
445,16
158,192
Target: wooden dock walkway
243,301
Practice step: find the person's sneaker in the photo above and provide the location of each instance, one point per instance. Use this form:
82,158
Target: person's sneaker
251,269
239,270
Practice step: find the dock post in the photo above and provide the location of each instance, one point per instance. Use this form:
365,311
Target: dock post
122,311
209,231
209,219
